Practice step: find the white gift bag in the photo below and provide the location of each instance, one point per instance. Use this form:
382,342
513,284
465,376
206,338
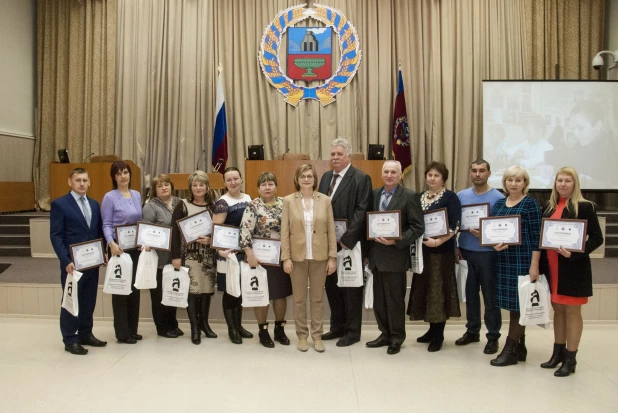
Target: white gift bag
350,267
232,279
254,282
69,298
416,256
461,271
175,286
146,273
534,301
118,275
368,288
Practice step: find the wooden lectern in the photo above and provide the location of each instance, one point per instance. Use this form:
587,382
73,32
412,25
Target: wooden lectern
100,180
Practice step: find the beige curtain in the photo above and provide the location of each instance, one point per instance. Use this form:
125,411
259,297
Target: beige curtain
76,67
567,33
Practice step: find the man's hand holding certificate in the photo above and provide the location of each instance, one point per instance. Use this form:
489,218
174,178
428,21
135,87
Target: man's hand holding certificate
384,224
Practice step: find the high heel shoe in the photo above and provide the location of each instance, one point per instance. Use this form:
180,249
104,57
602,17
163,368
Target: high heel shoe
568,365
556,358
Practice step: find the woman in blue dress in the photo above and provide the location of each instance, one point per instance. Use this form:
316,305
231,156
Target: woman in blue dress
516,260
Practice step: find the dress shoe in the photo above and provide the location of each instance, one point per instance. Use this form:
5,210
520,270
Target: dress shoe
491,347
393,348
137,336
378,342
92,341
467,338
128,340
76,349
318,345
302,344
346,341
179,332
168,334
331,335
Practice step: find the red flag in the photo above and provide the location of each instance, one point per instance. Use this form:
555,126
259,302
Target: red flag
401,134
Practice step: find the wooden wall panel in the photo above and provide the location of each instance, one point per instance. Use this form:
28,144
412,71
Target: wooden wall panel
16,196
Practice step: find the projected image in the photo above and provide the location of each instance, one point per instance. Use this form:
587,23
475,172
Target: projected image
545,125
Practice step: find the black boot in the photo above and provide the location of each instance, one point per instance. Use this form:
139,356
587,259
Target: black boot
280,333
265,339
193,318
568,365
241,330
557,357
232,330
426,338
522,351
204,311
508,356
437,337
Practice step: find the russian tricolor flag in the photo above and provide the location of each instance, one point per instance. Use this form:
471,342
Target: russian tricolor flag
219,143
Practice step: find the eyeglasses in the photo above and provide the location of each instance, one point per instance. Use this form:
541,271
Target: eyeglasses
306,177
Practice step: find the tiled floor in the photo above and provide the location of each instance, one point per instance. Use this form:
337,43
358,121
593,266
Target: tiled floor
173,375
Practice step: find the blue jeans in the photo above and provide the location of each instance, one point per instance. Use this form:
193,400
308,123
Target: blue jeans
482,275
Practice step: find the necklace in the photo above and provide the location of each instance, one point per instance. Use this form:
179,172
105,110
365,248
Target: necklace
429,195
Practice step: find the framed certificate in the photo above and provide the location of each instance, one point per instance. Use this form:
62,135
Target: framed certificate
225,237
87,255
195,226
470,215
384,224
126,236
496,230
341,226
157,237
436,223
267,251
569,234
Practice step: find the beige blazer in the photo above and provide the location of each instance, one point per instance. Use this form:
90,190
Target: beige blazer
293,240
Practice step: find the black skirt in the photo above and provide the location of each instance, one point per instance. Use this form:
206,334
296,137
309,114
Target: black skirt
279,283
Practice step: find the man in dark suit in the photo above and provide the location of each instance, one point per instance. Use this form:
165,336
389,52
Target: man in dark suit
390,259
350,193
75,218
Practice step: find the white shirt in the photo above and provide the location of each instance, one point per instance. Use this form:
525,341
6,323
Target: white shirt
341,175
308,215
80,204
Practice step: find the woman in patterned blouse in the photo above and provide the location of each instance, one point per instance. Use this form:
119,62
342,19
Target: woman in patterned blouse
262,218
516,260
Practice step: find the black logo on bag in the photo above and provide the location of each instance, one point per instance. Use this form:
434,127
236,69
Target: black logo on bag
175,284
347,263
535,297
70,289
254,283
118,271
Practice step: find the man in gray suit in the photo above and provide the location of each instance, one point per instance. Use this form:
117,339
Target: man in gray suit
350,193
390,259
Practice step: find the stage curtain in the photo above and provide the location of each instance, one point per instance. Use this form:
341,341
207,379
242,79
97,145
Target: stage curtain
76,66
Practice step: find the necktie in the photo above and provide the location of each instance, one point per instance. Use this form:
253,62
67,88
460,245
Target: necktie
86,210
332,184
384,203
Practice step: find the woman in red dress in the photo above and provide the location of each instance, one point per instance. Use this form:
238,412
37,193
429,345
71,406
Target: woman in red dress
570,274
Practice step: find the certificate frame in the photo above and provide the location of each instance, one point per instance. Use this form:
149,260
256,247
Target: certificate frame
97,245
485,205
485,222
372,219
182,223
341,226
218,227
440,212
119,230
546,244
167,229
266,241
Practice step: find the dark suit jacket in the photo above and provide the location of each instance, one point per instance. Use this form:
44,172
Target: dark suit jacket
68,226
396,258
351,201
575,273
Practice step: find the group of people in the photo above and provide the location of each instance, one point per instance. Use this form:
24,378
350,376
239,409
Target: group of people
304,222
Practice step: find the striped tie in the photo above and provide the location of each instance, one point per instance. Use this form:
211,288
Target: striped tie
332,185
384,203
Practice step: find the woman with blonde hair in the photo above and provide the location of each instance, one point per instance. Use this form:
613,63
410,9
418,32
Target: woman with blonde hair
198,256
570,273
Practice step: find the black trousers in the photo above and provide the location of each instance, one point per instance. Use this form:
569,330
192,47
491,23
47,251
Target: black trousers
346,308
389,304
164,317
126,307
